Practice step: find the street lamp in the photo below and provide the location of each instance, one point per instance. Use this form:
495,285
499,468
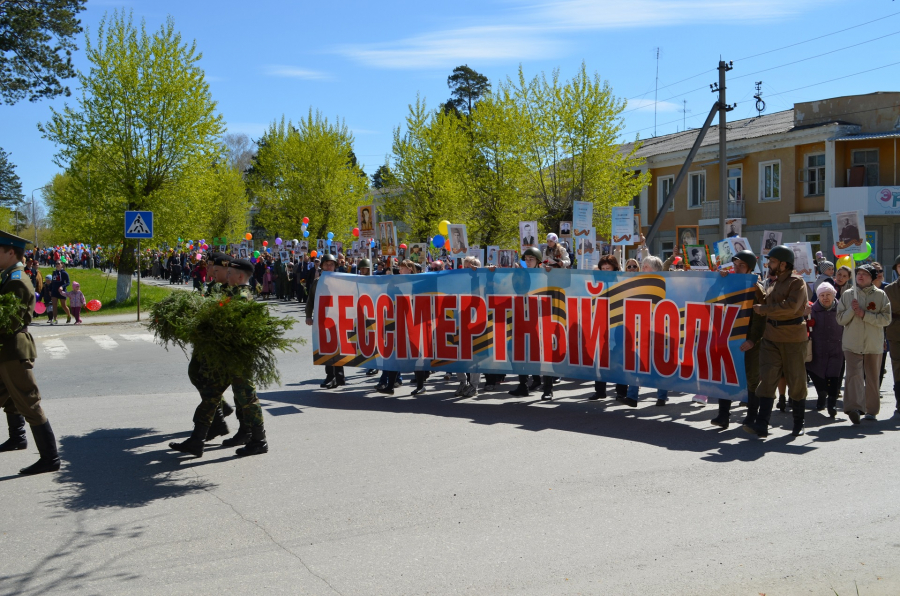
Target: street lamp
33,220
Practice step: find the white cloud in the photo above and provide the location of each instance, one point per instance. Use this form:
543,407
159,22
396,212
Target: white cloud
543,29
452,47
294,72
647,104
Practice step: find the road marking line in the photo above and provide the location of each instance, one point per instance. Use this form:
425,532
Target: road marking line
56,348
105,342
137,337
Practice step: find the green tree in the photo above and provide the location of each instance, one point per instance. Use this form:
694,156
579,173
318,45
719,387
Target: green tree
37,38
145,125
567,143
307,170
10,185
467,86
381,177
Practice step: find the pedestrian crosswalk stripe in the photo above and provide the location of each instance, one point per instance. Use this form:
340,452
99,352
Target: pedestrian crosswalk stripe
138,337
56,348
105,342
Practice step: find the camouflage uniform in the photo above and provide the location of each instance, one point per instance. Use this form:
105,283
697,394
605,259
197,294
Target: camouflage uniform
245,399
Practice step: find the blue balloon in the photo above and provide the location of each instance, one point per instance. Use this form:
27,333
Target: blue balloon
328,242
438,241
523,264
330,235
373,243
306,233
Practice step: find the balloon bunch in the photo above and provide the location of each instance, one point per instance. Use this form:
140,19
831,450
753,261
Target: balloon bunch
444,229
304,226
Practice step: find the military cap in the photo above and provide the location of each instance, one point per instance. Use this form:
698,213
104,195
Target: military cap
328,257
220,259
364,264
747,257
782,253
7,239
241,265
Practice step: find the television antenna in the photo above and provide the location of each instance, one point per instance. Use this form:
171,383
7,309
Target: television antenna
760,104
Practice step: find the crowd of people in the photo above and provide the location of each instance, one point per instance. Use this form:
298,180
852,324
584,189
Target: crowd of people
834,334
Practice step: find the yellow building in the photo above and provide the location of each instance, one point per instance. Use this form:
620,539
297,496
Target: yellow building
787,172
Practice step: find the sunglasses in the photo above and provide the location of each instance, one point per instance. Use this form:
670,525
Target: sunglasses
878,272
629,267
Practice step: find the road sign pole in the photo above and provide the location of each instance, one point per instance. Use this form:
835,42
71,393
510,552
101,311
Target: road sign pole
139,281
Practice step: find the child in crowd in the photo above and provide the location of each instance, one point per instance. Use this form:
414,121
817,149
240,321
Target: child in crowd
76,301
46,298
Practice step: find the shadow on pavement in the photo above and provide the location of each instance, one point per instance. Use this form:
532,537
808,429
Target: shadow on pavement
111,468
647,423
61,572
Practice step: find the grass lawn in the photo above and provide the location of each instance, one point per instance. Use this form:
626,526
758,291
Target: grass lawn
96,285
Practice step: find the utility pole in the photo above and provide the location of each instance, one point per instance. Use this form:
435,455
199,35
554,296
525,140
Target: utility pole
656,92
724,108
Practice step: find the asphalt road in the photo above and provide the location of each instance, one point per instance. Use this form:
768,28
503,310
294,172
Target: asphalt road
364,494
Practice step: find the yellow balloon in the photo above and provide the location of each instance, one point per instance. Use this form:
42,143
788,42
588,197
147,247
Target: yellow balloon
845,261
442,228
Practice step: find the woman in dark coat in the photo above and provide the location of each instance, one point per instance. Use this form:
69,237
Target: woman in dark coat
827,363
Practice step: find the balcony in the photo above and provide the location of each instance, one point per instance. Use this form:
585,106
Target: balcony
711,210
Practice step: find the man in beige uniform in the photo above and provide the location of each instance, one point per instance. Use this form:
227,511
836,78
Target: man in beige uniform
892,333
782,352
17,354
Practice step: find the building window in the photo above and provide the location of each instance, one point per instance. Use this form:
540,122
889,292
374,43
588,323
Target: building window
664,184
869,159
735,186
667,248
770,181
815,175
696,189
815,242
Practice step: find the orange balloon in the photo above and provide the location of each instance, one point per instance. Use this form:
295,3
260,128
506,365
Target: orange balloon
313,254
248,236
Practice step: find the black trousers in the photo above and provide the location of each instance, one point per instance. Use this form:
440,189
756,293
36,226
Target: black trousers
334,371
621,390
825,387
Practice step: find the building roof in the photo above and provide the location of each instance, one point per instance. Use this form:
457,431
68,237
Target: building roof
749,128
867,136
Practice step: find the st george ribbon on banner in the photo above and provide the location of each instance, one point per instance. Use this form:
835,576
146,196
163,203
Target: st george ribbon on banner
677,331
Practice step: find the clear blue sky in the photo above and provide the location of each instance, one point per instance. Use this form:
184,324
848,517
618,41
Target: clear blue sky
364,61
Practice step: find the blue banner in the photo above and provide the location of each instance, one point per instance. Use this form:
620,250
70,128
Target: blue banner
679,331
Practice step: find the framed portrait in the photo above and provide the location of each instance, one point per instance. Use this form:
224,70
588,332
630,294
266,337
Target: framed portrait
849,232
697,256
320,245
565,229
732,228
284,255
493,254
724,254
388,238
586,249
688,236
476,252
508,258
770,240
804,264
528,234
459,241
637,228
365,219
303,247
739,244
417,252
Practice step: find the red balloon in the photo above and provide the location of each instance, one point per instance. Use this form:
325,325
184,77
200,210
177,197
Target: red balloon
306,220
94,305
356,232
402,246
265,243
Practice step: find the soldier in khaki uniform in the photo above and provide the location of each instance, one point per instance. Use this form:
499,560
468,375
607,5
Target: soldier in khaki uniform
17,355
892,332
783,349
745,263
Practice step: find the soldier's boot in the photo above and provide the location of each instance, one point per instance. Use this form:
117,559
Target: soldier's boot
226,409
832,406
752,408
782,404
194,443
760,428
241,437
257,444
45,441
521,390
799,411
723,419
547,393
17,440
820,403
219,427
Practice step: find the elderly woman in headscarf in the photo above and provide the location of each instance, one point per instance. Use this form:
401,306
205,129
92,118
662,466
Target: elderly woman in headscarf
826,273
555,255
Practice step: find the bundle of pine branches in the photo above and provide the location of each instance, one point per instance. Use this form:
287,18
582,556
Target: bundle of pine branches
232,336
12,310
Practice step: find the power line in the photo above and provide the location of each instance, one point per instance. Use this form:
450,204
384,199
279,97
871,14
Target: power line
819,37
705,72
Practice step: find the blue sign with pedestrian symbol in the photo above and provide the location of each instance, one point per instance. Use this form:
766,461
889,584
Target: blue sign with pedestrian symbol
139,224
